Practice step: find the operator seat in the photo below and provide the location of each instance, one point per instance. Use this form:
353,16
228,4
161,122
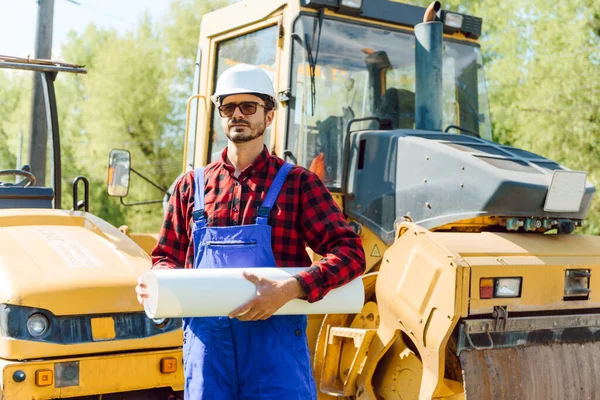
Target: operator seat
26,197
398,105
328,144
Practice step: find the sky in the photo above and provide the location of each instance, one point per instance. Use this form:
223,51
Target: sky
18,20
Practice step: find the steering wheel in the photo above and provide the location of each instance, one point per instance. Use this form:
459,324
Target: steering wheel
28,181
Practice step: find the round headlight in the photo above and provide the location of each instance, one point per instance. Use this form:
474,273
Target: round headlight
37,325
160,322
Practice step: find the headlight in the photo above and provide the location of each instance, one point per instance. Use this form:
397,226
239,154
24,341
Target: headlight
500,287
37,325
350,7
351,3
160,322
577,284
508,287
454,20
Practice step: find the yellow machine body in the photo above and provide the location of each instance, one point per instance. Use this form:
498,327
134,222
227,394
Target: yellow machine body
70,323
79,272
424,332
98,375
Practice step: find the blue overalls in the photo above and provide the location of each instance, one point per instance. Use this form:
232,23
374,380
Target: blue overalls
231,359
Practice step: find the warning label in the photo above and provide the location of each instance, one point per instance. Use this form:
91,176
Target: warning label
375,252
74,254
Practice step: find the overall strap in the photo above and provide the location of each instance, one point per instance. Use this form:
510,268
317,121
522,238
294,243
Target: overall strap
198,212
272,194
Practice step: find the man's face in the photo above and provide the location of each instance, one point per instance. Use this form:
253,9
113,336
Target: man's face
240,128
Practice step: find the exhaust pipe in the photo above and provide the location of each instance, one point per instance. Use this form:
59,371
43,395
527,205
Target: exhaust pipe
428,60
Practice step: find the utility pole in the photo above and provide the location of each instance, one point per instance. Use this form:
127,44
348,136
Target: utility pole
38,138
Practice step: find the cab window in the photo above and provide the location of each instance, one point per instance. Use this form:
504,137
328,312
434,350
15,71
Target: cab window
344,71
256,48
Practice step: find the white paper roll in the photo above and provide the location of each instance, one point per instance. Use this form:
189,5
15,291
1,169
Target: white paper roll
212,292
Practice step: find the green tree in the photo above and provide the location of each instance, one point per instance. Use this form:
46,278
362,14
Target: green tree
11,98
71,93
181,32
15,109
133,97
126,106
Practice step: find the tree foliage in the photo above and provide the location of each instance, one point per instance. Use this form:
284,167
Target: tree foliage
13,98
132,98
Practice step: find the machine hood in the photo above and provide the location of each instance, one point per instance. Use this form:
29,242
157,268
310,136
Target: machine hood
67,262
438,178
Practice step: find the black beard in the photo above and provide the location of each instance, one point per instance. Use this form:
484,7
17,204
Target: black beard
256,131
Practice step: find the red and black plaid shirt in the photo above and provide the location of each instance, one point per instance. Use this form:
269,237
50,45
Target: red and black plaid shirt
304,214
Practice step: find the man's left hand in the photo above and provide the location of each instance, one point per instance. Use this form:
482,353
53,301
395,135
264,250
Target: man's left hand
270,296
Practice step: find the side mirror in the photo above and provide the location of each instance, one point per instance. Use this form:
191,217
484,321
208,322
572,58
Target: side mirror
119,166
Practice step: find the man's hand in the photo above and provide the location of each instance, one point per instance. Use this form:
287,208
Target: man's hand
270,296
140,289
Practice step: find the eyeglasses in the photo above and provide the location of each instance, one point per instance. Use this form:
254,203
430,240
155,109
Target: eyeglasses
246,107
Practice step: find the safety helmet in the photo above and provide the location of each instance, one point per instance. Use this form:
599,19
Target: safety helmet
244,78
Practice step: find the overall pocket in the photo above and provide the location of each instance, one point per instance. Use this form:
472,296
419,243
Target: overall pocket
229,244
230,254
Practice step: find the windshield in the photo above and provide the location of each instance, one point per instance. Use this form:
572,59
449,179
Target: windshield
362,71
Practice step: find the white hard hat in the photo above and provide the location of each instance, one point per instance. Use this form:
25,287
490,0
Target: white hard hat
244,78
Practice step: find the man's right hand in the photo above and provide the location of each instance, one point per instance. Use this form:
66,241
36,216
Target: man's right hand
140,289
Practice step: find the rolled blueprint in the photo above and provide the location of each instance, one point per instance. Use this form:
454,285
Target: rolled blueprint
215,292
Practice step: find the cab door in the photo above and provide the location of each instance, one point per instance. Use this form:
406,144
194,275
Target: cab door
259,44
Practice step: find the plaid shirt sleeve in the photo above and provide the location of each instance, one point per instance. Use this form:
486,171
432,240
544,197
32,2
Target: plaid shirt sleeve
172,250
326,232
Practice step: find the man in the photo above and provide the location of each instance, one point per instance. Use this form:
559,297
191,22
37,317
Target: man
252,209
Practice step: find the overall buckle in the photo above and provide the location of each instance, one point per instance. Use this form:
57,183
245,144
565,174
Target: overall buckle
198,214
264,212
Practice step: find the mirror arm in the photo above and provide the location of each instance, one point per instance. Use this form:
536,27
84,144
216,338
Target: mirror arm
139,203
149,181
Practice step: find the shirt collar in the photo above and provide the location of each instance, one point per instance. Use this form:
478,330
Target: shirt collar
258,164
